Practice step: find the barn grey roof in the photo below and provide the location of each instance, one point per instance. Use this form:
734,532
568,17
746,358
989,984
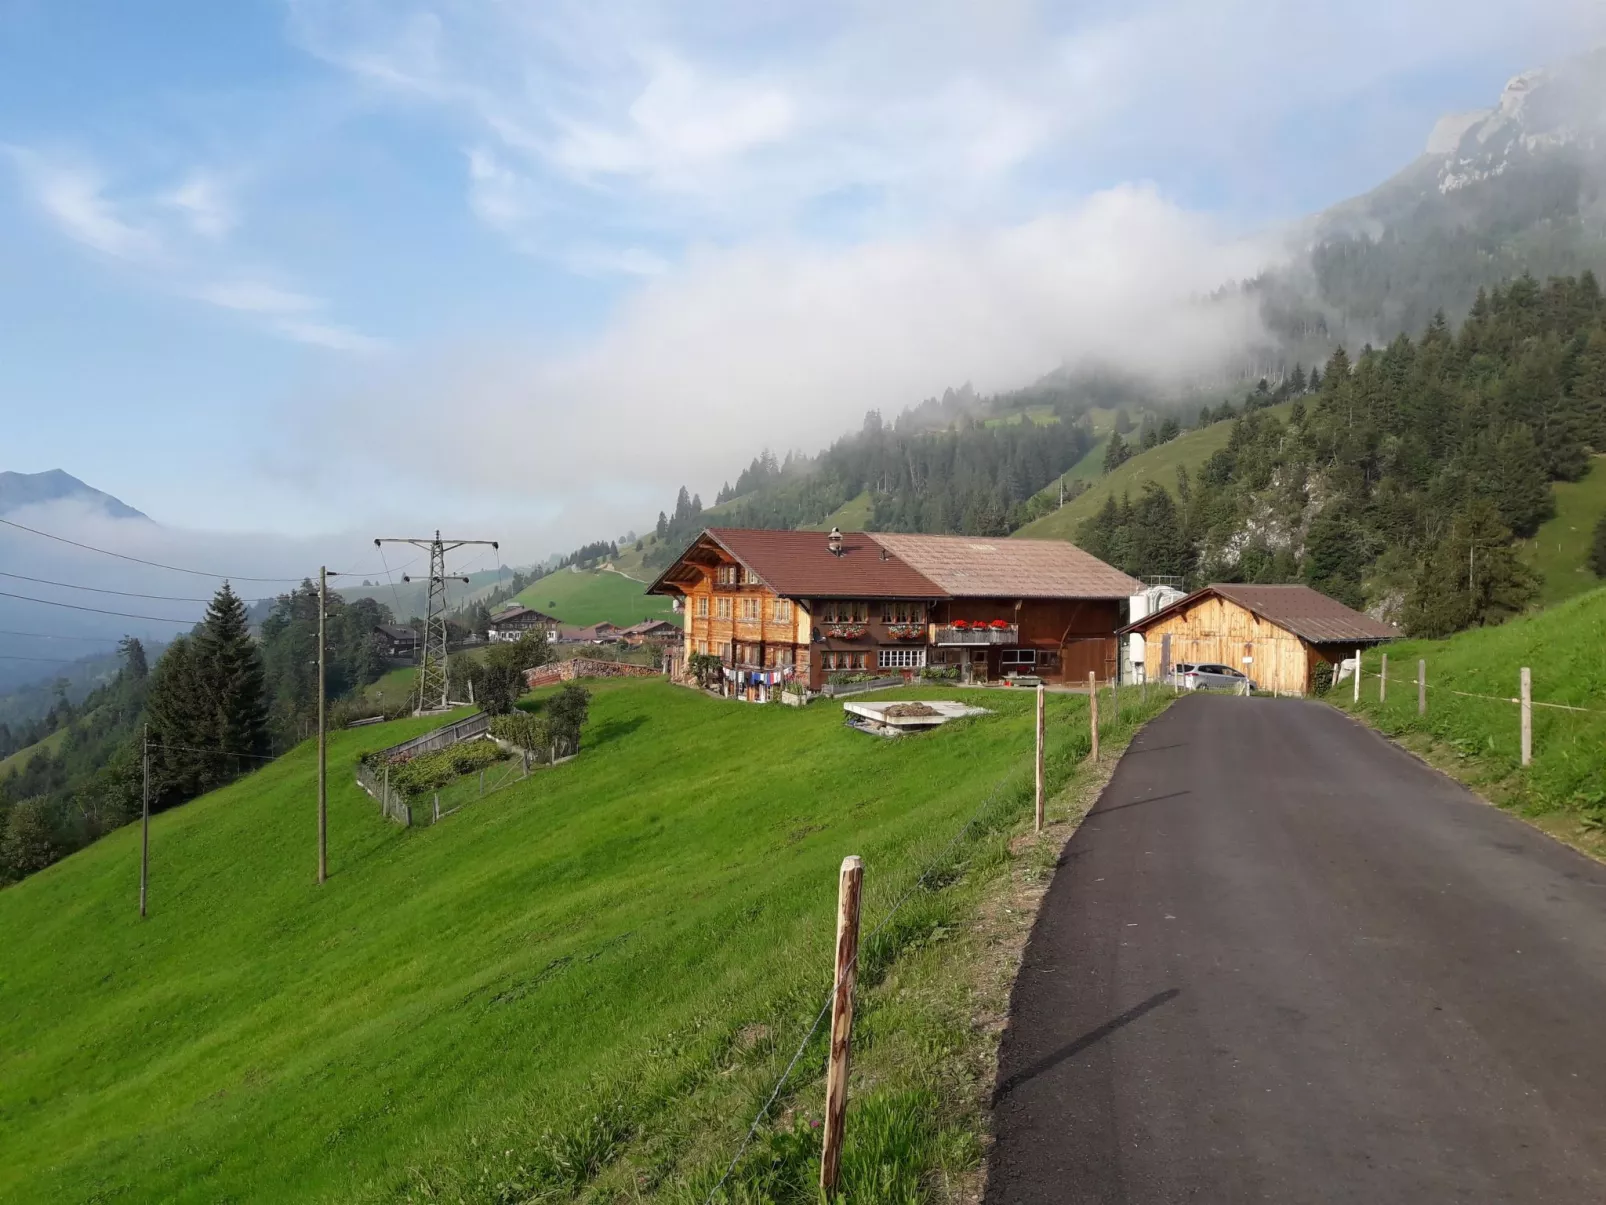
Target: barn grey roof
1308,614
982,567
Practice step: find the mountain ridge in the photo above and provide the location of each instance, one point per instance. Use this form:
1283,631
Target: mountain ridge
18,490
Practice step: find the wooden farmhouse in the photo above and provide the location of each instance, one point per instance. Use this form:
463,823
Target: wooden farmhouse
777,606
516,621
396,640
1275,635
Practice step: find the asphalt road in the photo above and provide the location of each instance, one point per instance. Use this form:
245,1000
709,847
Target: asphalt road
1284,961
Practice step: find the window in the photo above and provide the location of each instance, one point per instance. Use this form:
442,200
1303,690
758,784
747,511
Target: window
783,610
845,612
844,661
752,608
749,578
722,608
702,607
1018,657
702,648
903,612
902,658
783,656
726,575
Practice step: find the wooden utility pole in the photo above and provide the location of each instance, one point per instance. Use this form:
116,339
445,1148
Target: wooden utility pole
1357,675
1383,680
323,728
1421,687
1093,710
850,885
1039,757
1527,716
145,818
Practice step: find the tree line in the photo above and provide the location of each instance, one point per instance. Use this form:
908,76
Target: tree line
1400,480
217,703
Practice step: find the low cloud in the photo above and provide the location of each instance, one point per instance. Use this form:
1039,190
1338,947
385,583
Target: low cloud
785,345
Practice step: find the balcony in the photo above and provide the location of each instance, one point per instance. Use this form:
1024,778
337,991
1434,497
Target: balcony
948,634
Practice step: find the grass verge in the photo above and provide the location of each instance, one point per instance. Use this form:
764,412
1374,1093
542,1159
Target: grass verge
1472,727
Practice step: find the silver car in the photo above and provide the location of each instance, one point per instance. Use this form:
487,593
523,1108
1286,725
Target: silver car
1209,676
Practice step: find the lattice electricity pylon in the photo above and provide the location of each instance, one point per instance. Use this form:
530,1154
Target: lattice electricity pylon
434,676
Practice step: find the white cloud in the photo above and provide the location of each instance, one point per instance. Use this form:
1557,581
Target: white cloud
786,344
203,200
326,335
72,196
256,297
177,239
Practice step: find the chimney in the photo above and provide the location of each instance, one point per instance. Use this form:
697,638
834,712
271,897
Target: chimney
834,541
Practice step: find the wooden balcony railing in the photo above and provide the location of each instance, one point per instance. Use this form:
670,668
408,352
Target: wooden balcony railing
948,634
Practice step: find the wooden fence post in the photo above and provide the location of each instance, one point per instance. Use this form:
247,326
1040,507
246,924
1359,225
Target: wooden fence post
437,807
1039,757
850,884
1421,687
1527,716
1357,675
1093,710
144,816
482,784
1383,679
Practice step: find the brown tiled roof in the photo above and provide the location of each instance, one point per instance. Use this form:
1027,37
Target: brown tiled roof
518,610
799,564
977,567
646,626
1308,614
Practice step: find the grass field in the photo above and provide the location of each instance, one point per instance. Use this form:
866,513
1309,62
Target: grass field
592,975
1480,737
52,743
1560,549
852,515
585,598
1190,449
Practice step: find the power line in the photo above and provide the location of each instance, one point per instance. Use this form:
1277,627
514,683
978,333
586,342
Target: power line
139,561
45,581
54,636
50,660
50,602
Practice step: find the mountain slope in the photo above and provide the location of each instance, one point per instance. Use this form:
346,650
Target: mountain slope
1189,450
18,490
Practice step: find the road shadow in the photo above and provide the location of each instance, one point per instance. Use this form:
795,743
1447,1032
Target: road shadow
1132,803
1091,1038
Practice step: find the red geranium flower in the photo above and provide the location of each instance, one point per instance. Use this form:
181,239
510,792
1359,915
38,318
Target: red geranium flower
999,623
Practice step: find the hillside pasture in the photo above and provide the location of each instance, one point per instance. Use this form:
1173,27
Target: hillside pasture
1559,550
581,598
617,951
1189,450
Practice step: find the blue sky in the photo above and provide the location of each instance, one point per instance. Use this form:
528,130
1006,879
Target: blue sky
322,265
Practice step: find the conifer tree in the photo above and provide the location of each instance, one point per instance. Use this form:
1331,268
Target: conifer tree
1597,549
230,668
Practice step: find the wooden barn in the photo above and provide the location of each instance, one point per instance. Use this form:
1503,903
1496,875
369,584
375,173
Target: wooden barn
1276,635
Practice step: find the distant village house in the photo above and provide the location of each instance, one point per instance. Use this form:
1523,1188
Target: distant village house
517,621
396,641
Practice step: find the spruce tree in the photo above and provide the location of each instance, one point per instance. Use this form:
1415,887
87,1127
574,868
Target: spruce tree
1597,548
1116,453
230,668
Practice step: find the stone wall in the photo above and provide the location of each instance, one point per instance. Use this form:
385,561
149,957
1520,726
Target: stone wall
584,667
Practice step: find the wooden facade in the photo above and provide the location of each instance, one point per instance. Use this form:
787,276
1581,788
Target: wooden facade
1211,627
855,608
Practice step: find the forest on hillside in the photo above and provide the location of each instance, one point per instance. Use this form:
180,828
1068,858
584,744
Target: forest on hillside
217,702
1400,481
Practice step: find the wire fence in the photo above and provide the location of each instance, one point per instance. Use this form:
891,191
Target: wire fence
1123,697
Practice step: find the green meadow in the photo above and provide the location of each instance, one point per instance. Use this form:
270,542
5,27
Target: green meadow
584,598
601,967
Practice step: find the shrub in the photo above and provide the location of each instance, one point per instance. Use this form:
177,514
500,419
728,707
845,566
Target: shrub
1322,679
431,771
